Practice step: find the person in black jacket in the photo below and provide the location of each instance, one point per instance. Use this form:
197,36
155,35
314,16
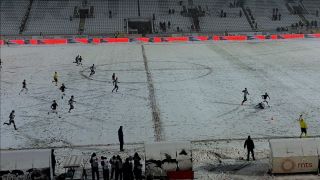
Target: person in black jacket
53,162
127,170
105,168
137,169
94,166
120,135
250,146
118,168
113,165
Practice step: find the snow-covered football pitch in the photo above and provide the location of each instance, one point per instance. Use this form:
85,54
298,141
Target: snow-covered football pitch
167,92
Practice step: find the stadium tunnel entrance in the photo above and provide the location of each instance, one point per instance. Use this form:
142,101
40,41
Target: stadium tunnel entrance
139,26
84,13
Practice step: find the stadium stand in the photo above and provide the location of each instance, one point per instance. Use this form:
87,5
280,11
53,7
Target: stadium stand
12,13
52,17
262,11
313,9
212,21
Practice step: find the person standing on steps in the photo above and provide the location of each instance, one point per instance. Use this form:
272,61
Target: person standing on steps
120,135
53,162
105,168
250,146
113,166
94,166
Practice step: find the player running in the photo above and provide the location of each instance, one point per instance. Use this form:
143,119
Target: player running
92,69
24,87
80,60
11,120
264,98
245,94
62,89
115,83
71,101
76,60
55,78
54,106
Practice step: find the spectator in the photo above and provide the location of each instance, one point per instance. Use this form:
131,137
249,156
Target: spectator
127,170
118,168
250,146
120,135
105,168
113,165
110,14
94,166
240,13
279,17
53,162
169,24
137,169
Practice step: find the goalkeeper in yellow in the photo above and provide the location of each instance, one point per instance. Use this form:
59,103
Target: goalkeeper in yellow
303,126
55,78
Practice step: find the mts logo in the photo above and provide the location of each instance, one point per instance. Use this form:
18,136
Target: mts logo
304,165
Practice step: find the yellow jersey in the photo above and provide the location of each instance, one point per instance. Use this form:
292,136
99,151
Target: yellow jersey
303,124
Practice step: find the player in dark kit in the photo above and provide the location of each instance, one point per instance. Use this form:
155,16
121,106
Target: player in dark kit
77,60
115,83
113,78
264,98
71,101
11,120
245,94
92,69
24,87
80,60
62,89
54,106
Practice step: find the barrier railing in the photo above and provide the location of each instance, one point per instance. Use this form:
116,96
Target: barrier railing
155,39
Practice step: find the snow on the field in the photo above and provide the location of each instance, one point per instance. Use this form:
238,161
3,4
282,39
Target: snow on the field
197,90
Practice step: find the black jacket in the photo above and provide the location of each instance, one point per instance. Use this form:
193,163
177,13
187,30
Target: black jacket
249,144
120,135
